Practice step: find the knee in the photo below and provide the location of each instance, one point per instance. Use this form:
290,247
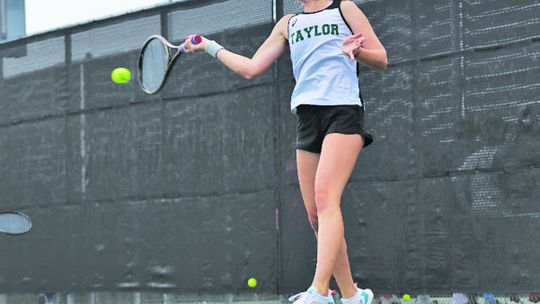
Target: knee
323,200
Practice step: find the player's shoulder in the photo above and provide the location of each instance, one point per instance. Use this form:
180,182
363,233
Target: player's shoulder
284,21
348,4
350,10
283,24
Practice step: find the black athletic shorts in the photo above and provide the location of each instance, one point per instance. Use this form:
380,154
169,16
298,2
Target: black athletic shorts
314,122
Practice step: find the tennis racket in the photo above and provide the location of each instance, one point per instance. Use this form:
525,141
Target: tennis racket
14,223
156,59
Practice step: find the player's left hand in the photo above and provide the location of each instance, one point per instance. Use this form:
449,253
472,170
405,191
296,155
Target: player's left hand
351,45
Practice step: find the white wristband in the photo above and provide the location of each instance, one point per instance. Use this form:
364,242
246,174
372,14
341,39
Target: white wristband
212,48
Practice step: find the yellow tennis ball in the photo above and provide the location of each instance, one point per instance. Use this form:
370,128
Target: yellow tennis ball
252,282
406,297
121,75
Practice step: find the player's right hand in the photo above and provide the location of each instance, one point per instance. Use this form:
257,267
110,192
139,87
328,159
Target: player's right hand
191,48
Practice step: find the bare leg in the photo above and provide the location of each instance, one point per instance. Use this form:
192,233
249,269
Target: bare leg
307,168
338,156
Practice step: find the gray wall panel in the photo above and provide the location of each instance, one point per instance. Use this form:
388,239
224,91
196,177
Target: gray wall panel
490,23
440,112
33,95
228,15
437,27
389,105
33,56
393,23
228,149
114,245
122,149
33,165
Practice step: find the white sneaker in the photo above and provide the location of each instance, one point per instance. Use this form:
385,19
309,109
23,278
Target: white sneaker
312,296
362,296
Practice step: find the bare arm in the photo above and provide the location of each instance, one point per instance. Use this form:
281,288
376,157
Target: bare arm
372,53
265,56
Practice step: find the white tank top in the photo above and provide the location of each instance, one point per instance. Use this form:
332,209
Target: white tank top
324,75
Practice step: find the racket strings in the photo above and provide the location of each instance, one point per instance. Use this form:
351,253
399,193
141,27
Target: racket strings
155,59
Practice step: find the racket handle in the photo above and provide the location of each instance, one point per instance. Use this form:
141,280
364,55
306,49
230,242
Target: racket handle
196,39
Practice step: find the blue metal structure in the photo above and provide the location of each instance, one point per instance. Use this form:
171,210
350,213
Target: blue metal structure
12,19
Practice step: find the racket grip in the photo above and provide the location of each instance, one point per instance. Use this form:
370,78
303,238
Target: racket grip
196,39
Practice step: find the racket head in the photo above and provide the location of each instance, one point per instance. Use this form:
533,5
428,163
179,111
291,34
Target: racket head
154,61
14,223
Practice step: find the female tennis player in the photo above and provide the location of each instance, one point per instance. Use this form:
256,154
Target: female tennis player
326,41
